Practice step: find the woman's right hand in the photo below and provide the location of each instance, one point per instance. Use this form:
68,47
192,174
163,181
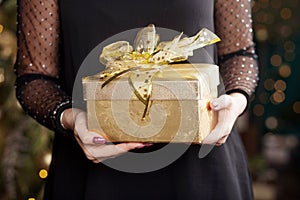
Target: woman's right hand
93,145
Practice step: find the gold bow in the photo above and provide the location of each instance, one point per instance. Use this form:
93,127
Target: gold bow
146,58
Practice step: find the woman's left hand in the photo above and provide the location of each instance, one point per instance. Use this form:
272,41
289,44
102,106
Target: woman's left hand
229,107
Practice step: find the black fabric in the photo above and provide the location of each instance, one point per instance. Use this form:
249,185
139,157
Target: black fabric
241,52
217,176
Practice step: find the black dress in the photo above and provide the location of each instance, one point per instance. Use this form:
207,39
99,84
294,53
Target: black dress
54,39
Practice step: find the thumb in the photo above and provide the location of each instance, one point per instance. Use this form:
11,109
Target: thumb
221,102
86,136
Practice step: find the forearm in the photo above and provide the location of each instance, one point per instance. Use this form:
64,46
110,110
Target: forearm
42,98
237,58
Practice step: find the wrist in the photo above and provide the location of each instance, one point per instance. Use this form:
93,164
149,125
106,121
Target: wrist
239,101
67,118
61,120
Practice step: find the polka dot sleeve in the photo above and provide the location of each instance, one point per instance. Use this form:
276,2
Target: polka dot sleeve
37,68
237,58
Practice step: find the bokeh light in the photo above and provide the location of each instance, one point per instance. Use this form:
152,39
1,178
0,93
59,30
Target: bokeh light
289,46
258,110
285,71
47,158
278,97
271,122
269,84
261,34
280,85
296,107
276,60
43,173
286,13
286,31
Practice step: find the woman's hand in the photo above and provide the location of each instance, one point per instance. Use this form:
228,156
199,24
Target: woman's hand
229,107
92,144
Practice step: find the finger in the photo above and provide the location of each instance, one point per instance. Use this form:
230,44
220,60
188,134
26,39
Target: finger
226,120
92,138
110,151
222,129
81,123
222,140
86,136
131,145
220,103
213,137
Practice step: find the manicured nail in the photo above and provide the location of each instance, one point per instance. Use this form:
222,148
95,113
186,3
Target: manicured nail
215,104
98,140
148,144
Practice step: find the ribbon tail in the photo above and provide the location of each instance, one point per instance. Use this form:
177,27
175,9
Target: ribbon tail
146,99
137,94
119,74
147,106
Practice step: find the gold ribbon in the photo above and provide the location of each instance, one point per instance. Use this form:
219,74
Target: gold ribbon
147,57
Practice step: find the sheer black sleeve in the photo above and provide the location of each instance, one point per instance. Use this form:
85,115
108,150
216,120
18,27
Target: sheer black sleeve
37,67
237,58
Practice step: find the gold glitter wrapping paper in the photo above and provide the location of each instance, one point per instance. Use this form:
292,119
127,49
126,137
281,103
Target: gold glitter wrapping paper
178,112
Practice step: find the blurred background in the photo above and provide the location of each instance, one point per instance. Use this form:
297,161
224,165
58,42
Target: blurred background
270,129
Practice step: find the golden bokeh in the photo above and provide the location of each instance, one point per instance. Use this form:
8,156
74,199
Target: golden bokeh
262,34
269,84
286,13
278,97
286,30
271,122
276,60
289,46
285,71
280,85
1,28
296,107
43,173
258,110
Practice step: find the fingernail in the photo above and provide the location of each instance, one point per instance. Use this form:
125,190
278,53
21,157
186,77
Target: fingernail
215,104
98,140
148,144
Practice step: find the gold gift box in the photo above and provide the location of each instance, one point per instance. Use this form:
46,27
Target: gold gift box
179,106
